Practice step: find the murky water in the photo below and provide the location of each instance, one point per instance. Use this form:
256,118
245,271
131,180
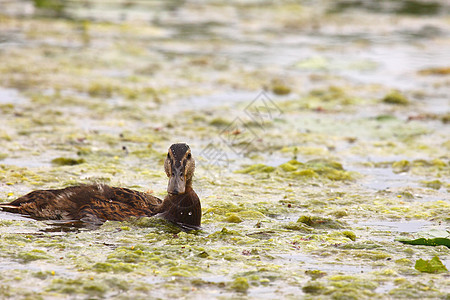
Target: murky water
286,108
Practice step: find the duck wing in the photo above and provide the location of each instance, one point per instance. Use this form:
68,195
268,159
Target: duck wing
89,203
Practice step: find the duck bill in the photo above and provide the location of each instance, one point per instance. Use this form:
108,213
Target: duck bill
177,184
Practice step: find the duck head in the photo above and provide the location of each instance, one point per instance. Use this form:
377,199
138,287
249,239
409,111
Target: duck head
182,205
179,167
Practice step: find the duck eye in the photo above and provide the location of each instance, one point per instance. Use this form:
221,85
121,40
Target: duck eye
189,156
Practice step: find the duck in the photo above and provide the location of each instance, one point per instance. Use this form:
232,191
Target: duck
97,203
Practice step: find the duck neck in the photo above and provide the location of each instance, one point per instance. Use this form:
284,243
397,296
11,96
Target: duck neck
183,209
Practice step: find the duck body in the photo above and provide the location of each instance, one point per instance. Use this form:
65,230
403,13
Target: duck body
97,203
89,203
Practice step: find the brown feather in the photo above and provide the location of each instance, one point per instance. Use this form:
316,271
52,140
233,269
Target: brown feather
91,203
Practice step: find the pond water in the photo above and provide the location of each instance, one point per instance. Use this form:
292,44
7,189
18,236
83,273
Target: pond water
320,133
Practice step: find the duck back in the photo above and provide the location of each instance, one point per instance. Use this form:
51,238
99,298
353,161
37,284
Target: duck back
88,203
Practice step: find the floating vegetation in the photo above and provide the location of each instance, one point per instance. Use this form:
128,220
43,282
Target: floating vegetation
66,161
401,166
233,218
350,234
105,89
433,184
240,284
32,255
319,222
428,242
257,169
317,168
279,89
429,238
433,265
395,97
435,71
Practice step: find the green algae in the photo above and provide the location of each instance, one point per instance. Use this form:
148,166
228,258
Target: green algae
256,169
433,184
240,284
32,255
433,265
342,287
395,97
385,118
324,163
220,122
65,161
314,288
288,167
298,226
320,222
233,218
317,168
350,234
315,274
78,286
279,89
404,262
401,166
50,5
108,112
113,267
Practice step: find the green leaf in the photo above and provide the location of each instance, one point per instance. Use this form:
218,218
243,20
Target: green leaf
428,242
432,237
433,265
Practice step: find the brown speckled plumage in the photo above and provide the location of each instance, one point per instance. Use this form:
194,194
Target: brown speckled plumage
97,203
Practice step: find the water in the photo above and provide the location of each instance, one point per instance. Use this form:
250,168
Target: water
73,84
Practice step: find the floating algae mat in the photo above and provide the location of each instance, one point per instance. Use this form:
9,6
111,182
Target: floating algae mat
320,134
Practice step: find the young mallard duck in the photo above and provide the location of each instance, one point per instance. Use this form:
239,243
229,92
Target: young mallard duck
95,204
